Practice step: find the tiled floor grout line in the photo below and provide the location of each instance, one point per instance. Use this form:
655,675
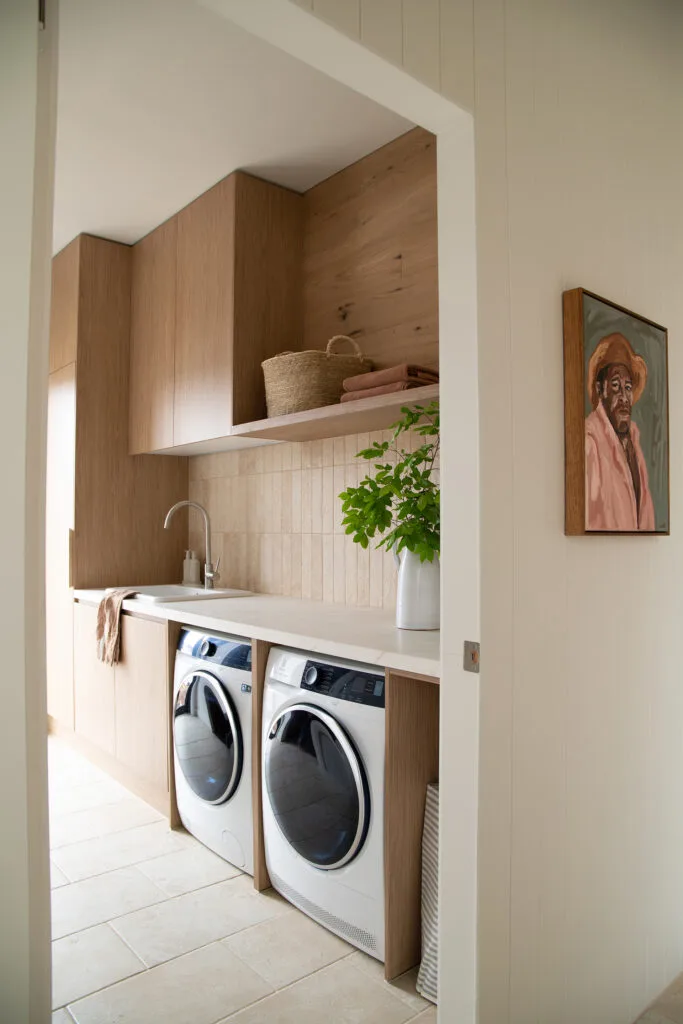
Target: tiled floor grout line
401,995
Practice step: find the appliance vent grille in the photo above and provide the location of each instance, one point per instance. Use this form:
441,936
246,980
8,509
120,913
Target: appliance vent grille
358,936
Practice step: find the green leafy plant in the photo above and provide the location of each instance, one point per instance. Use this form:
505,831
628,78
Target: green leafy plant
401,499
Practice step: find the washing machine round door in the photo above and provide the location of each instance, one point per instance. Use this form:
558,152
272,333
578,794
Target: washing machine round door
207,738
316,786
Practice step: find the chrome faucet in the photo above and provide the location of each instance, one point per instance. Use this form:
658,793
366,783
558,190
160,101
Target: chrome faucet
210,570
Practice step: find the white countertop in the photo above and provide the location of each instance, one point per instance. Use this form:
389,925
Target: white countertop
359,634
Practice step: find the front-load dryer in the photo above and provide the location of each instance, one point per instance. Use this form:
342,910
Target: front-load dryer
212,743
323,791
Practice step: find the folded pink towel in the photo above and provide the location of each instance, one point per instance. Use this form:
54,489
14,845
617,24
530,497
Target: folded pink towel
386,389
403,373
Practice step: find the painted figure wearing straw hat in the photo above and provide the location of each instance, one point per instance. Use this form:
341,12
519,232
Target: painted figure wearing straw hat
617,492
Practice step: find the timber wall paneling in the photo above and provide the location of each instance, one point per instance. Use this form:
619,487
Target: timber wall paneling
370,254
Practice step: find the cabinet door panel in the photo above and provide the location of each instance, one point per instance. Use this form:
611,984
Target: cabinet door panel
95,717
142,699
152,340
204,316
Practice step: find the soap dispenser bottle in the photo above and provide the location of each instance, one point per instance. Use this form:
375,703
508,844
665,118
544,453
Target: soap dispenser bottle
191,570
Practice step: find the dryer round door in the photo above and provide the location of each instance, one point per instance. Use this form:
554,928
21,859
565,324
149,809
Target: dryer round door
316,786
207,738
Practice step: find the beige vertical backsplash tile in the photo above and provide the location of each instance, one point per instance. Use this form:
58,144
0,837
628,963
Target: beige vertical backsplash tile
277,521
339,483
339,582
306,510
296,500
306,582
328,567
330,503
295,578
316,567
316,501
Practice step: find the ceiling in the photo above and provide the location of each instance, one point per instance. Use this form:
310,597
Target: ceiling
159,99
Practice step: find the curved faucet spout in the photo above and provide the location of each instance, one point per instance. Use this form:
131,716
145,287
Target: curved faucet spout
210,570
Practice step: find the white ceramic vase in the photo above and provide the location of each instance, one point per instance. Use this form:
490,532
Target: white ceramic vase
418,603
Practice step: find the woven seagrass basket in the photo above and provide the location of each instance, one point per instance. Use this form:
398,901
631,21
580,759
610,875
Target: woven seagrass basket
296,381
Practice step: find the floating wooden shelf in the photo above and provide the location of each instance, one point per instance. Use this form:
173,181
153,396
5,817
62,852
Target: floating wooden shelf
365,414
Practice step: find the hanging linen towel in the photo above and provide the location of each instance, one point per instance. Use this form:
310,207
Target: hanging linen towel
108,630
427,978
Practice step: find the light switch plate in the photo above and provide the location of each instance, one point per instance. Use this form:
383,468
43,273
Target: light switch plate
471,656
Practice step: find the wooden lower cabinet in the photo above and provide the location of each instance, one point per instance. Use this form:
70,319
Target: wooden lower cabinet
94,688
122,713
142,698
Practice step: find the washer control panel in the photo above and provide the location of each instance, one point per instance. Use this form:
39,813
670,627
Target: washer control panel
343,683
229,651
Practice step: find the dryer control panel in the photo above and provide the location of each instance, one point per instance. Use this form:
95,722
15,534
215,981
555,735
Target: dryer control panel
343,683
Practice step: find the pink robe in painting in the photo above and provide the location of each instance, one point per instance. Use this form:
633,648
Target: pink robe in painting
610,496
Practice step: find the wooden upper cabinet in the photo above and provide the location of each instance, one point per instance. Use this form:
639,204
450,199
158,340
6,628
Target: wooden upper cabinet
216,290
204,309
64,306
267,307
152,339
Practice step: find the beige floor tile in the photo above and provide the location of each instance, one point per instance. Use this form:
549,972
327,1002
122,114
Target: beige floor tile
57,877
427,1017
66,767
668,1010
198,988
96,900
287,948
62,1017
403,987
340,994
186,870
188,922
68,799
107,853
103,820
88,961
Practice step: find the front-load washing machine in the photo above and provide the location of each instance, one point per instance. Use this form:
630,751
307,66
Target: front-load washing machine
323,791
212,742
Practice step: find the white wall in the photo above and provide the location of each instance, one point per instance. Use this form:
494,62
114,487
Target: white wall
25,84
578,115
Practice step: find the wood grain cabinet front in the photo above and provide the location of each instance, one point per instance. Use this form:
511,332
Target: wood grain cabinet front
122,713
94,687
152,339
216,290
142,699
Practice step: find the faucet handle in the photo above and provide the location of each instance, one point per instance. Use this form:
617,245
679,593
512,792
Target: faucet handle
213,573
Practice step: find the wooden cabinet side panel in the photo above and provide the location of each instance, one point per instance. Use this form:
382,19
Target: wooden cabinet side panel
95,717
412,762
64,306
268,286
574,413
204,316
142,700
152,339
370,254
121,499
259,662
59,520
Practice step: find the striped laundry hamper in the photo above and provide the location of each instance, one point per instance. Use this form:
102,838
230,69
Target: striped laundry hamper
427,978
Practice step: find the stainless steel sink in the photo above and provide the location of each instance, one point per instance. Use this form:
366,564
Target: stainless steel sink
176,592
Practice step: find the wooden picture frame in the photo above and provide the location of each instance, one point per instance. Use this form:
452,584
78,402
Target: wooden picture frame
616,413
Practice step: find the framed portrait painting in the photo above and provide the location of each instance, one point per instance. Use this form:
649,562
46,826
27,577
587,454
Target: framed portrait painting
616,410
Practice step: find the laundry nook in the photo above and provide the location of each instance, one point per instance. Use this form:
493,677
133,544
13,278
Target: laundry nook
243,541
